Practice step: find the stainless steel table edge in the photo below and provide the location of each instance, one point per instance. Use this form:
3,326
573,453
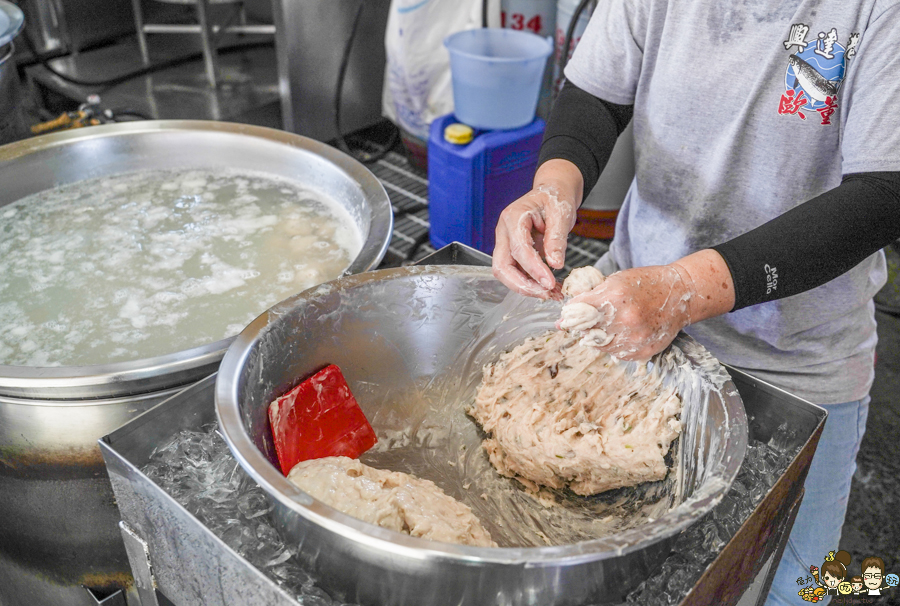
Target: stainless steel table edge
190,564
757,546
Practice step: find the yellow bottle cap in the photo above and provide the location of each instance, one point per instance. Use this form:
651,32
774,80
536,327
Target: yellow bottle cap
457,133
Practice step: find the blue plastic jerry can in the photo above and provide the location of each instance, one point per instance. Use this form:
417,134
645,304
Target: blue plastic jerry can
473,175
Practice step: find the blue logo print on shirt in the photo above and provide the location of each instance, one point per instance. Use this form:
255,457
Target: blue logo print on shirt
815,72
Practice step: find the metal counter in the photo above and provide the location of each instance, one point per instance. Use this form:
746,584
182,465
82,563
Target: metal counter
171,551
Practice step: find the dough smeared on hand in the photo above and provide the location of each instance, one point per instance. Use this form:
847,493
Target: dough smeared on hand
560,413
582,319
390,499
582,280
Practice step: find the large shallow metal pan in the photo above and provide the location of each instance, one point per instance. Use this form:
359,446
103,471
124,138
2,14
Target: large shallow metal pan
411,343
52,479
41,163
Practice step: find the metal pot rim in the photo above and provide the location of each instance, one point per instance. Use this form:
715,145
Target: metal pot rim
278,487
182,367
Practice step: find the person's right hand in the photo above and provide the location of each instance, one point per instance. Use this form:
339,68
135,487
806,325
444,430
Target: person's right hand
637,312
535,226
634,313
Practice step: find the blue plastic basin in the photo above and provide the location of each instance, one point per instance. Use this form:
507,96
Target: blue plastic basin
496,76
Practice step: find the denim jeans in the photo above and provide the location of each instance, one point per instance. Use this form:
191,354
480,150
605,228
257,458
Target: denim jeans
817,529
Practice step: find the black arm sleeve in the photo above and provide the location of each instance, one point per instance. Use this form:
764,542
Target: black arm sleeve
583,130
817,241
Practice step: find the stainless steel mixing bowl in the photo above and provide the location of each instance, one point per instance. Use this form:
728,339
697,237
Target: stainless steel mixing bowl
411,343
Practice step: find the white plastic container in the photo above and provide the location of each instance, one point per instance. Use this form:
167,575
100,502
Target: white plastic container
496,76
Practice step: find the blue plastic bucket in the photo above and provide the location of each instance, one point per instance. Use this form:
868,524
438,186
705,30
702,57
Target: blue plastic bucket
496,76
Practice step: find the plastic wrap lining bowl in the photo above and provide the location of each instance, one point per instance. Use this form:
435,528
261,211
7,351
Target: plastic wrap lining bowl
411,343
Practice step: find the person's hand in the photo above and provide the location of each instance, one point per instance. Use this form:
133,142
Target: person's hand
531,232
638,311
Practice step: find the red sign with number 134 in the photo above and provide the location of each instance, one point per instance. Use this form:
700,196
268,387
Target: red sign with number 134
520,21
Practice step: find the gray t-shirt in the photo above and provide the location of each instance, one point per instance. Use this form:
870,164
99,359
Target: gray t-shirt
741,112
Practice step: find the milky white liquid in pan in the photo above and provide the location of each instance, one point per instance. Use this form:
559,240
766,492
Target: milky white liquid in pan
149,263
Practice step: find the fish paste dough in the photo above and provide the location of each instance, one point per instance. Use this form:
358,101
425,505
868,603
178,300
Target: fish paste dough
581,318
390,499
582,280
560,413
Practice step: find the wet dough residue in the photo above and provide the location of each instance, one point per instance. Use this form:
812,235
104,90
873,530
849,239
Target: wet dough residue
390,499
580,318
582,280
561,413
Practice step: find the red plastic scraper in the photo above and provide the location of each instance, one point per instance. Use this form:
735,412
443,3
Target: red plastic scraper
319,418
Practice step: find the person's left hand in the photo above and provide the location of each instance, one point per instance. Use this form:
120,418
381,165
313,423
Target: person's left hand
532,227
530,237
640,310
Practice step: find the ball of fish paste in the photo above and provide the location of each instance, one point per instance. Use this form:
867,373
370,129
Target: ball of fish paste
582,280
580,318
390,499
